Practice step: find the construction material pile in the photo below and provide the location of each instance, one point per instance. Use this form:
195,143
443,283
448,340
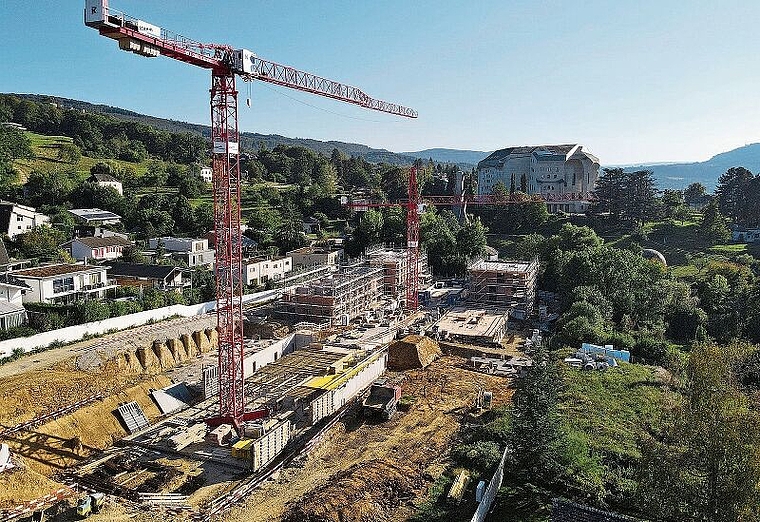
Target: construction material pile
413,351
364,492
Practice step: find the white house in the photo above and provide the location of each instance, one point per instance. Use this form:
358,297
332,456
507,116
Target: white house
95,216
106,180
193,252
207,175
64,283
16,219
12,312
258,270
553,171
99,248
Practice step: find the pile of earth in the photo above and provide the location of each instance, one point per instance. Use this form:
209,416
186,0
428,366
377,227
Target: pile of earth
413,351
364,492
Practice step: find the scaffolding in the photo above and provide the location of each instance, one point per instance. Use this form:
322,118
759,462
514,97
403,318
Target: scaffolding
505,284
336,298
393,260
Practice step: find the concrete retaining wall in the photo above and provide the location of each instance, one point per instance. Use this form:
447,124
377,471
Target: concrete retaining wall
75,333
271,353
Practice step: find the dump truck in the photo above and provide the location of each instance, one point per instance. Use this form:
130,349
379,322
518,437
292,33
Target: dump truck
90,504
382,400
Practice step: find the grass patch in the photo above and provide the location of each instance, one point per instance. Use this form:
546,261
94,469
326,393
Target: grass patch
609,407
45,149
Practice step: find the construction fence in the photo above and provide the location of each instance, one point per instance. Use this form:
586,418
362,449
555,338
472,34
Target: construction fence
490,493
76,333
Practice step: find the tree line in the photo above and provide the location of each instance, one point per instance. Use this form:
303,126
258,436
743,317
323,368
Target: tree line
101,136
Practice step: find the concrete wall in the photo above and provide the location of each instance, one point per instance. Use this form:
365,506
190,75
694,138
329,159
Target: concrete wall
75,333
271,353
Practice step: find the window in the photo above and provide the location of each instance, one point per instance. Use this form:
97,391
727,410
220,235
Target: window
63,285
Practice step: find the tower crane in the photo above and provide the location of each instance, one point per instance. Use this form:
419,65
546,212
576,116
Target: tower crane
225,64
415,203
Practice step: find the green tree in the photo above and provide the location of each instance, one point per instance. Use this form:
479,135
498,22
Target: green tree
702,463
69,153
694,193
714,226
471,239
40,242
535,434
732,191
50,187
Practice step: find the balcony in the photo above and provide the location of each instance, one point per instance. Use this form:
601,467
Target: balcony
98,287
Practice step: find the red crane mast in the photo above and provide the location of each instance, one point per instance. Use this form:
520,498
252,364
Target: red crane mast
225,63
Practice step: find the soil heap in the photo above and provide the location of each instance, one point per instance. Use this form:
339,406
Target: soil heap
413,351
364,492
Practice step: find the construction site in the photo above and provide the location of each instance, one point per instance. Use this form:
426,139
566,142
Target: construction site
337,400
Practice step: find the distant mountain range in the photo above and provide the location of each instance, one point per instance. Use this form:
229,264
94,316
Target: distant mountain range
457,156
681,175
669,175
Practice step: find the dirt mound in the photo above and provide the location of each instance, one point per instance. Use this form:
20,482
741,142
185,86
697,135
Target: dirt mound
21,484
413,351
365,492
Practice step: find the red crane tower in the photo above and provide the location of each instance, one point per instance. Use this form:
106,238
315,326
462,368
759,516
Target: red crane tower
225,64
414,204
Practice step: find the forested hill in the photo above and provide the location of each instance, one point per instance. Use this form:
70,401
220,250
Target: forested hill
680,175
249,140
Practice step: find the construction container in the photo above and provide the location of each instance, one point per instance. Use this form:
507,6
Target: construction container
242,449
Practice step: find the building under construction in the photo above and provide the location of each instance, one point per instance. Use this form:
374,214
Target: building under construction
394,261
336,298
505,284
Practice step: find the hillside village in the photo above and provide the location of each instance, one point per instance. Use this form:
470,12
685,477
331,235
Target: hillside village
202,324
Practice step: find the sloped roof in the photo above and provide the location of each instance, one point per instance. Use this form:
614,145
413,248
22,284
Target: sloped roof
102,177
54,270
497,158
7,308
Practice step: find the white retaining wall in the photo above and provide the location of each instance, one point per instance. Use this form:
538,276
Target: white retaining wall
333,400
490,494
75,333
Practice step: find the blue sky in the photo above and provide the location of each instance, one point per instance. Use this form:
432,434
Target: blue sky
632,81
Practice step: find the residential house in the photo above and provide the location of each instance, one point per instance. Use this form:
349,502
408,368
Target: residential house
94,231
161,277
12,312
249,245
310,256
258,270
106,180
311,226
99,248
64,283
16,219
192,252
207,175
95,216
741,234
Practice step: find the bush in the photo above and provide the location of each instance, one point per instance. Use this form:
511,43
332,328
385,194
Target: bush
649,350
479,455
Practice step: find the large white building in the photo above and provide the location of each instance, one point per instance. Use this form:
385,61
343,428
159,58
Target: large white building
17,219
563,174
63,284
